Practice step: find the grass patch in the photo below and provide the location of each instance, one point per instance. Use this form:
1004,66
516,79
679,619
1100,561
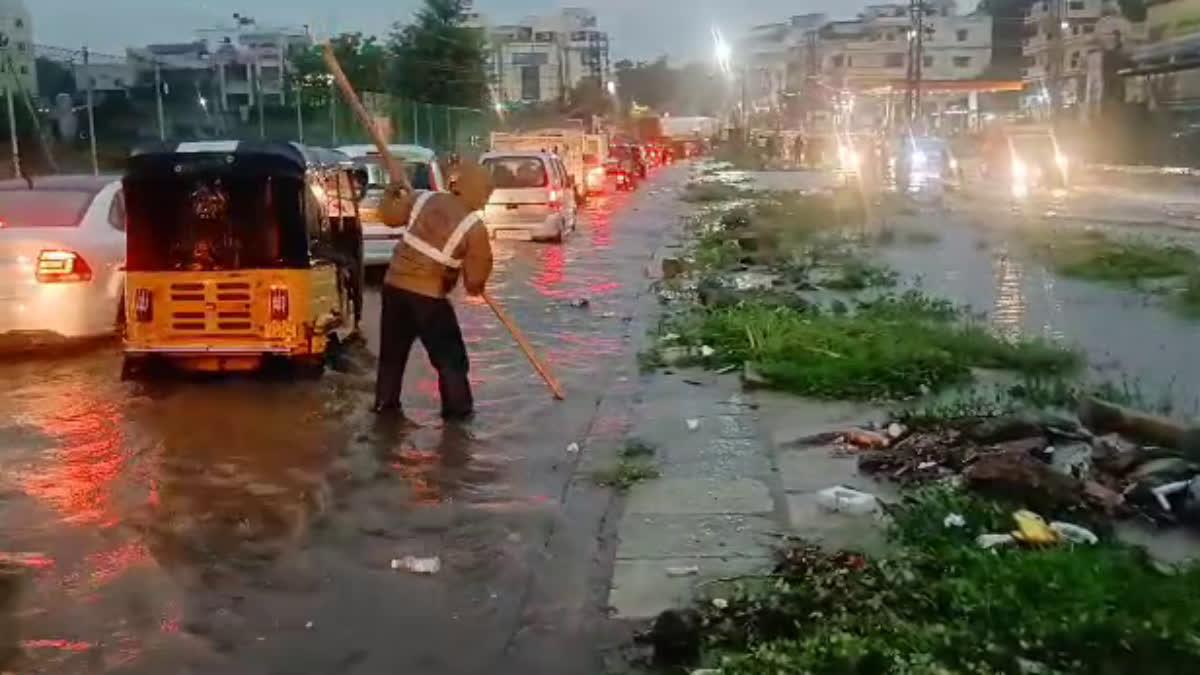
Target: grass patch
858,275
1092,256
922,237
941,604
712,191
629,471
885,350
1187,302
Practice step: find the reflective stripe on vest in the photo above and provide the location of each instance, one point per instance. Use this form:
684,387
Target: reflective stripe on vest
426,195
446,255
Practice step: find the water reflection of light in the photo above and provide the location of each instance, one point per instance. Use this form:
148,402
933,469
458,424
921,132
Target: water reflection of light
1011,304
553,261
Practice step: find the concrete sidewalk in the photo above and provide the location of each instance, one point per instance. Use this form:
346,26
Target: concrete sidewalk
728,490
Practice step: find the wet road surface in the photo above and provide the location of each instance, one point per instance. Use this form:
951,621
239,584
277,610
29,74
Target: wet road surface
248,525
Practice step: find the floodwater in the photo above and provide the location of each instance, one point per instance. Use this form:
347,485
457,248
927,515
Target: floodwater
248,525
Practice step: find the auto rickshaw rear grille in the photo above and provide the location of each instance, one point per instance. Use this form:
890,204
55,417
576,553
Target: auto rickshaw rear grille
233,297
187,287
188,297
188,315
233,315
234,325
188,326
233,286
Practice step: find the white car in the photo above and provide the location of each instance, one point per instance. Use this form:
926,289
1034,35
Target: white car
534,196
424,172
62,253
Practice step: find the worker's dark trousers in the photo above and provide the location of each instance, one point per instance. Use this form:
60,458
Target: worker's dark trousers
406,317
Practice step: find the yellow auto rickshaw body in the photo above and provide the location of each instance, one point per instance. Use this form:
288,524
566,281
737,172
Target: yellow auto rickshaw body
245,268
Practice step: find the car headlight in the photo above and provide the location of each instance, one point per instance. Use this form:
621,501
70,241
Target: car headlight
1062,161
953,164
1019,170
919,158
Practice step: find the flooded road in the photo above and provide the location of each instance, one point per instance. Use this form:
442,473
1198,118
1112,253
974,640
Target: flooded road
248,525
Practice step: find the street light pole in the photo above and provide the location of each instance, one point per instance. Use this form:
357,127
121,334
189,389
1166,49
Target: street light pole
9,85
91,111
158,92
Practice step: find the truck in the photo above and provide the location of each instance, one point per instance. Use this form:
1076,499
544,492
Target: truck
580,152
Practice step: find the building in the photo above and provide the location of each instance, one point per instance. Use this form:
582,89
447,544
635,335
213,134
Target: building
1063,46
544,58
1164,71
229,65
817,61
16,45
115,78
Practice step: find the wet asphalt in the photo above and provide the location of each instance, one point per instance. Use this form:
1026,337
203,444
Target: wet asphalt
249,524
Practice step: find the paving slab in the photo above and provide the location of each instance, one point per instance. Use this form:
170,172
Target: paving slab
642,589
701,536
816,468
714,458
700,496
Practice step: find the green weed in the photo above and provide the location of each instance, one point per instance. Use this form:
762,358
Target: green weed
711,191
943,605
1093,256
858,275
629,471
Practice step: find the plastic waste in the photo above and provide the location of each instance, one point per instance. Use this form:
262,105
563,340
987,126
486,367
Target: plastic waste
990,541
581,303
1074,533
1031,529
840,499
418,565
707,351
895,430
954,520
720,603
683,571
693,424
573,448
866,439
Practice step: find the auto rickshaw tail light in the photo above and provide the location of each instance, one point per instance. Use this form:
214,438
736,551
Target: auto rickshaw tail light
280,303
58,267
143,305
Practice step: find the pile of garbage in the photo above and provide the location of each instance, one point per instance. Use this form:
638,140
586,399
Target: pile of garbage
1103,458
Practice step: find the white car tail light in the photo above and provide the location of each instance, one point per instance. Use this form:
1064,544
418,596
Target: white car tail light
59,267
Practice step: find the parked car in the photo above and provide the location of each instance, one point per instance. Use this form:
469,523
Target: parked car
62,253
533,198
424,172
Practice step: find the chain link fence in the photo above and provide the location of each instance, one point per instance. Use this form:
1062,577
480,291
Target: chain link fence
131,99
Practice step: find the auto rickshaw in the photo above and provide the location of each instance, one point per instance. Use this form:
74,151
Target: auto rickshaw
239,253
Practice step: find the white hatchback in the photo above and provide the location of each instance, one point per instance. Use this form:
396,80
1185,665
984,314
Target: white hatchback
62,253
534,196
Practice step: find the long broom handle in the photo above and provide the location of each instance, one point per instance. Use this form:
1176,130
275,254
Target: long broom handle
398,175
395,171
537,364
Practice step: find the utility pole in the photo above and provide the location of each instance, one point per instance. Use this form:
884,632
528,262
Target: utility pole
916,60
9,85
158,101
299,117
91,111
1054,65
258,98
333,113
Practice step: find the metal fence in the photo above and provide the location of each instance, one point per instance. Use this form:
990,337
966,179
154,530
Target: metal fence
128,103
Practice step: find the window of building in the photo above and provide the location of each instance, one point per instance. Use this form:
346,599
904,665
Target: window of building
1074,59
891,37
928,61
1074,29
838,59
894,61
19,23
962,61
1088,29
1075,5
530,58
21,47
579,36
544,36
961,34
24,70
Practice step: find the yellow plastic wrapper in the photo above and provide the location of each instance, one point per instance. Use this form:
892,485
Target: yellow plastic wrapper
1032,530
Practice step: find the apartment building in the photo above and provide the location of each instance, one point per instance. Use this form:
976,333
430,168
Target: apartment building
542,58
16,44
1063,50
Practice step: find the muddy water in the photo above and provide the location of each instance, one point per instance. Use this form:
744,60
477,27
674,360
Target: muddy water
248,525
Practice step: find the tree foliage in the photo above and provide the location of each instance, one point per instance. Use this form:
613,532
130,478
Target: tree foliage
437,58
364,59
53,78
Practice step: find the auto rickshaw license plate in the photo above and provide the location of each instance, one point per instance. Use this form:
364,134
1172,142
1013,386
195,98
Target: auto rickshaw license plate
281,330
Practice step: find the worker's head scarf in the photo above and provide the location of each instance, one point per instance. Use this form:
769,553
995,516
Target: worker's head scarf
472,184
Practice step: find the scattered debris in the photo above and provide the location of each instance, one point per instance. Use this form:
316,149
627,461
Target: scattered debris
671,268
693,424
1031,529
707,351
1019,478
1071,459
308,625
990,541
573,448
418,565
841,499
1075,534
895,430
581,303
683,571
720,603
954,520
866,439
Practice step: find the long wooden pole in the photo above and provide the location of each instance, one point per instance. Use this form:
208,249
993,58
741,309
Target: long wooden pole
398,175
395,171
525,347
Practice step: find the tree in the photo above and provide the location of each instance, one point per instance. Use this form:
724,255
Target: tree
1134,10
364,59
649,84
588,98
438,58
53,78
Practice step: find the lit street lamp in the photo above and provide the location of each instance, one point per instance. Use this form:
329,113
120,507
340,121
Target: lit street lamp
612,88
